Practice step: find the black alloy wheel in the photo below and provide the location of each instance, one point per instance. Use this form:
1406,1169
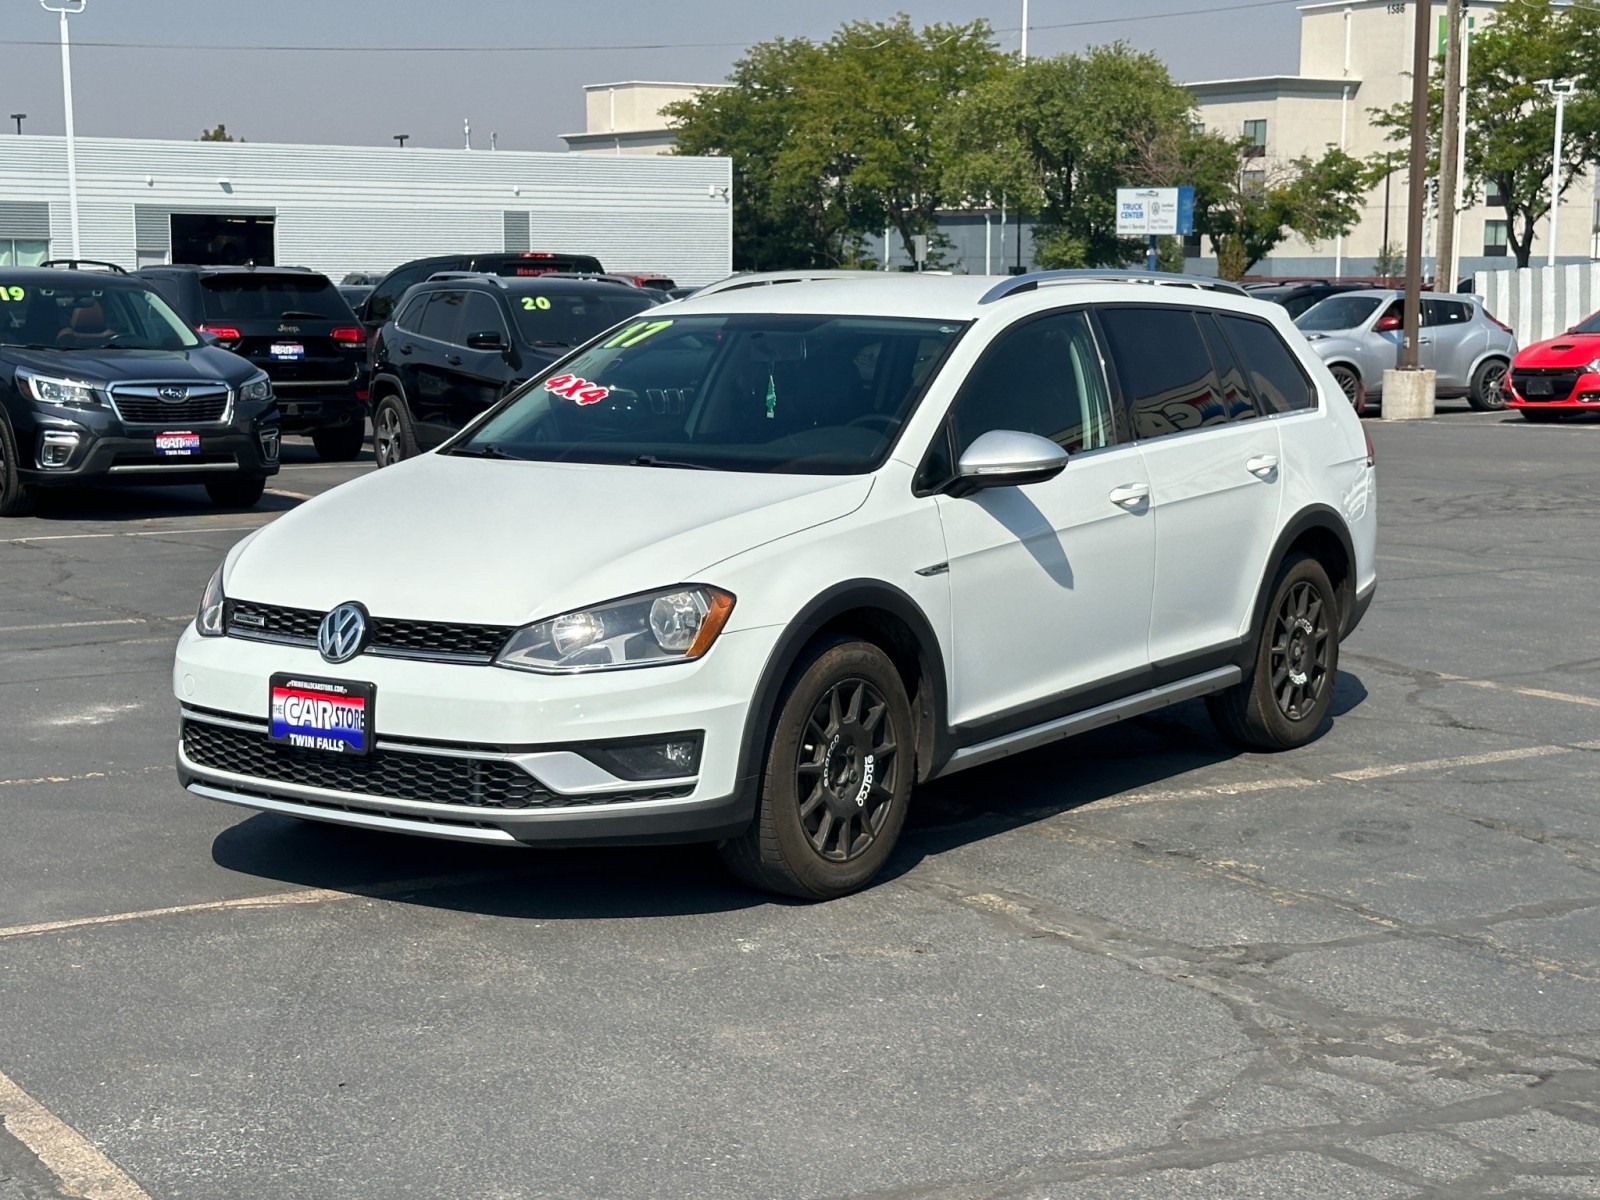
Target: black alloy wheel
392,437
17,499
1488,391
1350,384
839,768
1284,697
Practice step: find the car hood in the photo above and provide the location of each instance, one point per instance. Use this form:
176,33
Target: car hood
497,542
200,364
1568,350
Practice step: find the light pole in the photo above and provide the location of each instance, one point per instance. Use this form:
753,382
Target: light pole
1024,30
64,8
401,138
1560,89
19,118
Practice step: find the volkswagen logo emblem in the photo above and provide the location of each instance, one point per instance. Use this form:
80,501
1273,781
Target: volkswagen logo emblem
343,633
173,393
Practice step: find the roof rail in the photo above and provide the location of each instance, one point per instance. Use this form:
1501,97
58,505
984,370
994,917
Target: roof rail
84,264
591,276
1036,279
458,275
750,279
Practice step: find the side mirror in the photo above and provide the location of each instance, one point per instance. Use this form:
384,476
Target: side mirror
209,338
487,339
1389,323
1006,458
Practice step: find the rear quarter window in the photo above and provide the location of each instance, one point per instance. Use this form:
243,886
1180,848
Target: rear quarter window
1275,374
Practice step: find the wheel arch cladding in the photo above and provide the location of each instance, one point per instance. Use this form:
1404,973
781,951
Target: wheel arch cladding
1320,532
875,612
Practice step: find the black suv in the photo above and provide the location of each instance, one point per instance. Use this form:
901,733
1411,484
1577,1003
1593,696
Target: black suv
296,327
524,264
1297,297
100,381
458,343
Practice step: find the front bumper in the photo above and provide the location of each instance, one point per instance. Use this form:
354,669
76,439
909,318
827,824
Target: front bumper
1584,395
477,753
102,449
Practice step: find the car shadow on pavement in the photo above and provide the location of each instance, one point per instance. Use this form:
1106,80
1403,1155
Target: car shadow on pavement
1156,750
142,504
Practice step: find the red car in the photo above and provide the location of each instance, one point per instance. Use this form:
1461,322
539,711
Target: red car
1560,376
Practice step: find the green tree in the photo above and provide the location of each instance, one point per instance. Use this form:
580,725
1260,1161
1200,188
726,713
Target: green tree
1056,137
1511,117
1316,198
219,134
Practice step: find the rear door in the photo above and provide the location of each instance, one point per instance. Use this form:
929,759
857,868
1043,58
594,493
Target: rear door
1214,476
1453,338
297,328
427,353
476,376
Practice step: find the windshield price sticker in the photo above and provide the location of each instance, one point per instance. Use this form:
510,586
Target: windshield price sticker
13,293
529,303
636,333
177,444
576,389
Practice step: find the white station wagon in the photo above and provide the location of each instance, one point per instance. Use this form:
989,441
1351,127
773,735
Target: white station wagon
750,568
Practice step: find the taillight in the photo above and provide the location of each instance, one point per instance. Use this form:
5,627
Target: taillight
223,333
351,334
1497,322
1372,455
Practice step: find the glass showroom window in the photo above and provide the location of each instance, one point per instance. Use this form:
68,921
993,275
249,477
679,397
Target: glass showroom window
23,252
1494,239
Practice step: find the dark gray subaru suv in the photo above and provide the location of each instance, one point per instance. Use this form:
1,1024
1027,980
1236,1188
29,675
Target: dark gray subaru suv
101,382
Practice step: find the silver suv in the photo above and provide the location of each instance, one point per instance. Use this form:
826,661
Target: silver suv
1359,336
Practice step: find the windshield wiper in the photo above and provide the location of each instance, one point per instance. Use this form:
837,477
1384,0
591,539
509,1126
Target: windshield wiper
489,451
650,460
300,314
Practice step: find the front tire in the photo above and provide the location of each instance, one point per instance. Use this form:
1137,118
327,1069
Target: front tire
393,439
341,443
237,493
837,782
1350,384
17,499
1288,690
1488,392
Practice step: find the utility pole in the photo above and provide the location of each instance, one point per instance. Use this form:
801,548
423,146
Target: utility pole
1417,185
402,138
19,118
1444,271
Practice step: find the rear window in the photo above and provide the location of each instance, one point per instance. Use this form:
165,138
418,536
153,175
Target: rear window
557,319
1280,383
271,298
541,264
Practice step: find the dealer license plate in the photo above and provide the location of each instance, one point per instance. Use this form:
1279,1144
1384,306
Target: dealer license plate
288,350
329,715
1538,387
177,444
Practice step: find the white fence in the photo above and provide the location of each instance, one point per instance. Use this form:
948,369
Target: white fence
1540,302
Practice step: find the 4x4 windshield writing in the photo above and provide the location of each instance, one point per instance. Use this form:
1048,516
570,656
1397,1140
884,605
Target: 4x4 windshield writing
90,318
1337,312
813,395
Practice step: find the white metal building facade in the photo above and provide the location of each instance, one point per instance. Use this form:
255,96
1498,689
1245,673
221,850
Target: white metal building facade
345,208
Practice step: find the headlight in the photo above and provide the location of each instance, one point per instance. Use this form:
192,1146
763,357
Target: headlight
64,393
258,387
208,621
651,630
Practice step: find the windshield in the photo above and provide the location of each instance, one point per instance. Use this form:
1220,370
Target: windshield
1337,312
811,395
271,298
1590,324
78,316
572,318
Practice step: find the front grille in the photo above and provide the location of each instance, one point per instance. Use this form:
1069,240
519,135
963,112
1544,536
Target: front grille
141,403
390,637
1562,381
389,774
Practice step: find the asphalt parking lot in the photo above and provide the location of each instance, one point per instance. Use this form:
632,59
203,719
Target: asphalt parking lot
1135,964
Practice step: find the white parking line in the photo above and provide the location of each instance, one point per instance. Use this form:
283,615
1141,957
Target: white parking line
79,537
271,900
1440,764
1537,693
65,1152
91,624
38,780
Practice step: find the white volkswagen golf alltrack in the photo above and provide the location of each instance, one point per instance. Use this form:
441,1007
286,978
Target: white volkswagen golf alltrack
750,568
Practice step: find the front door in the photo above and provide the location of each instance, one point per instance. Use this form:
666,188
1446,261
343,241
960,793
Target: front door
1050,582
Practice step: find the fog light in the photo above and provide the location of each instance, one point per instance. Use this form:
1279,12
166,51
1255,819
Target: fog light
269,444
56,448
675,756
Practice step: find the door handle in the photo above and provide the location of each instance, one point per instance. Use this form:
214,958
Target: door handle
1422,341
1262,465
453,359
1130,495
406,349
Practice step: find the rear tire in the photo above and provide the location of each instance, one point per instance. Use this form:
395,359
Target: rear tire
237,493
1288,690
393,439
341,443
17,499
1350,384
1488,392
837,782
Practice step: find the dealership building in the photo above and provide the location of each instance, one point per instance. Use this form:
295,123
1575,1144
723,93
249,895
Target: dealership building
337,209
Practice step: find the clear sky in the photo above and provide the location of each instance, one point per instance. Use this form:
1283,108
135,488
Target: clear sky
335,83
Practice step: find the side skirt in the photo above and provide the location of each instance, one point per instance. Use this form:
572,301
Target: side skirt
1092,718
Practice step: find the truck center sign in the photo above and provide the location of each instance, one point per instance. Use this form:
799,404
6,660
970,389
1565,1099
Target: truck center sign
1147,212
